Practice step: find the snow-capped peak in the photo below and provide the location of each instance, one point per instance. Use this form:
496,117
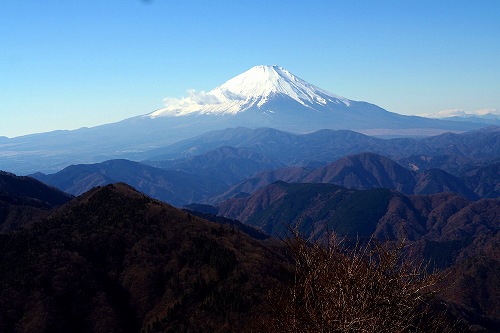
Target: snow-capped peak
252,88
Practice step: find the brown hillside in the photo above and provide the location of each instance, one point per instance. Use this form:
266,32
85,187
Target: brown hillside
114,260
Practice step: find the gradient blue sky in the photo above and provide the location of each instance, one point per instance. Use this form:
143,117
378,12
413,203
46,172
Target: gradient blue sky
65,64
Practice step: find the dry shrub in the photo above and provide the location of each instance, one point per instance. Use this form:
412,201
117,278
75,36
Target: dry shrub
360,288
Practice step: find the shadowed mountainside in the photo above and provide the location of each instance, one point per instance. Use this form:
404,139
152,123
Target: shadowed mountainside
31,188
25,199
115,260
361,171
386,214
485,180
174,186
226,164
446,230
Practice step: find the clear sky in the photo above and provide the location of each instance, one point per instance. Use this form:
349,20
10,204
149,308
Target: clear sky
66,64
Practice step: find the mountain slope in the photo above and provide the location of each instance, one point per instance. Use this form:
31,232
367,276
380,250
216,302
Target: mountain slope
380,212
259,180
114,260
226,164
363,171
436,181
31,188
484,180
175,187
313,208
24,200
446,230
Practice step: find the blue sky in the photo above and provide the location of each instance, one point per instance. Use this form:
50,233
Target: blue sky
73,63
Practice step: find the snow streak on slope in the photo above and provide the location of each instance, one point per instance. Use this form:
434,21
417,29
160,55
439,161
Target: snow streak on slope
252,88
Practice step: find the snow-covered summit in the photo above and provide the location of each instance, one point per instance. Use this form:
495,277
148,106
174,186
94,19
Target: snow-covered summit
251,89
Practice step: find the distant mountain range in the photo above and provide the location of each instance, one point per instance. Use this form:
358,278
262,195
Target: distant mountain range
226,164
178,182
450,152
264,96
174,186
488,116
215,180
207,170
364,171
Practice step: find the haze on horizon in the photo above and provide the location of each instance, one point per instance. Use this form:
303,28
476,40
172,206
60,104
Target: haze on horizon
74,64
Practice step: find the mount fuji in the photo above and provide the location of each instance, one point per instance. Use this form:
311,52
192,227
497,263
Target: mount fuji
256,88
271,96
263,96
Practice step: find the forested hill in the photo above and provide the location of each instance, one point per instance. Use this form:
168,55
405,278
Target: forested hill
114,260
